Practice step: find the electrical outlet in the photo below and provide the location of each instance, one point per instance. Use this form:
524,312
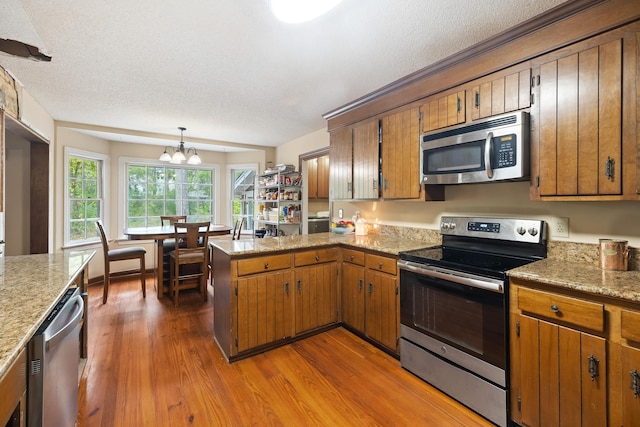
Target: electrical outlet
560,227
340,213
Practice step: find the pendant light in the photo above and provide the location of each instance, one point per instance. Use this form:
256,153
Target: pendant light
180,154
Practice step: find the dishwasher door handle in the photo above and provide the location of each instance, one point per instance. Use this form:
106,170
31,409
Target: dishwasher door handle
76,318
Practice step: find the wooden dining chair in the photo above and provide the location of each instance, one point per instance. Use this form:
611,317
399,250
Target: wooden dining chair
188,262
169,244
112,255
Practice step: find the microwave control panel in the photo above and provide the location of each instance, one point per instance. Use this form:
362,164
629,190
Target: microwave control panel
504,151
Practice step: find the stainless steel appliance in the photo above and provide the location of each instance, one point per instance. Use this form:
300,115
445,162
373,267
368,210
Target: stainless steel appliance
487,150
54,356
454,307
318,225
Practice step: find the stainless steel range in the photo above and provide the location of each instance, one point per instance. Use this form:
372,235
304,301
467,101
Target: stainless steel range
454,307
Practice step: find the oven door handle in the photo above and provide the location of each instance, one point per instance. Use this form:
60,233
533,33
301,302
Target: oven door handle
453,276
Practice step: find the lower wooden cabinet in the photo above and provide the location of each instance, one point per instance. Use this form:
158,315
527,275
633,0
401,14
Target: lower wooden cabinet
13,389
370,297
316,296
562,375
265,309
353,289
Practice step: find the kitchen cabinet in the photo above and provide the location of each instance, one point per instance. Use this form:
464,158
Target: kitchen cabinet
499,94
316,278
400,153
318,177
366,160
584,127
354,162
352,291
341,166
629,351
13,389
559,372
382,301
278,200
264,302
440,111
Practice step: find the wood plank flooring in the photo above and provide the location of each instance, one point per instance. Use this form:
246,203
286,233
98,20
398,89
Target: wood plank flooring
152,364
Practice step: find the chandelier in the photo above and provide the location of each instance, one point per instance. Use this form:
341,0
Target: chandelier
180,154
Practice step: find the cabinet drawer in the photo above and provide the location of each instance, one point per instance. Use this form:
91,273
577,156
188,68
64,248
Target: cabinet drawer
263,264
570,310
354,257
380,263
630,325
315,257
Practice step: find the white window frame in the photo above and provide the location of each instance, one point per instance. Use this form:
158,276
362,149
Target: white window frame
103,182
231,167
123,165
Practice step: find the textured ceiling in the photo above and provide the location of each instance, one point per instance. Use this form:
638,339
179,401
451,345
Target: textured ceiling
227,70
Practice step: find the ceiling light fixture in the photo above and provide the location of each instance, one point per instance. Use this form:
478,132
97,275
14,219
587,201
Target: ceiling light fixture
179,153
296,11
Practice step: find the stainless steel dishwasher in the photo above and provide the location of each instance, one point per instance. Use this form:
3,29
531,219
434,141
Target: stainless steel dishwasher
54,356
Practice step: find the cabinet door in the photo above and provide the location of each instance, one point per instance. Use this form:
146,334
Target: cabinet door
316,296
353,296
401,155
312,178
580,122
440,111
630,386
366,159
341,167
382,309
323,177
501,95
265,309
562,376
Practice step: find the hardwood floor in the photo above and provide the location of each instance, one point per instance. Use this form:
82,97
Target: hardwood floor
153,364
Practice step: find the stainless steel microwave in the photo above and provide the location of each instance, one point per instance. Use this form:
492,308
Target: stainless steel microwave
487,150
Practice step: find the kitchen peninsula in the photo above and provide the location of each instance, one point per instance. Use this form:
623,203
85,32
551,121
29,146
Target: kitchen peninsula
30,286
268,292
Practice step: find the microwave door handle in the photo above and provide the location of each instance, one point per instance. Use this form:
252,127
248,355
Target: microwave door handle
488,145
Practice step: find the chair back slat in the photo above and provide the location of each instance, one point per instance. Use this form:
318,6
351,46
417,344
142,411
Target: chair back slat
192,231
237,229
103,238
172,219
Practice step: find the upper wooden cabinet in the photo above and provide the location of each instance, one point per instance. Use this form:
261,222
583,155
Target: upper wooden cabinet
400,154
499,94
440,111
318,177
584,135
341,167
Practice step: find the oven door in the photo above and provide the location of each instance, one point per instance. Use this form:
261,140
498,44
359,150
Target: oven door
454,309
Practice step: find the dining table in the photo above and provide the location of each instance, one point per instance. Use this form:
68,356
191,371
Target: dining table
160,234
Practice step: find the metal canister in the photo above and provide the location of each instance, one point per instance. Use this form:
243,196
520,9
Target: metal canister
614,254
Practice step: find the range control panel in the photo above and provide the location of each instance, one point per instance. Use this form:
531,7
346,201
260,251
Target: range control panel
513,229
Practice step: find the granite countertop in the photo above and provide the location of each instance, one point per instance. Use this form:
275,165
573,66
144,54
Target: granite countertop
30,286
582,277
386,244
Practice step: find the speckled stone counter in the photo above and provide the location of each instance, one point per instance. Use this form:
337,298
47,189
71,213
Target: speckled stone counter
387,243
584,277
30,286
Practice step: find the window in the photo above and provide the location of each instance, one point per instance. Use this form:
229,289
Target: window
84,195
242,180
154,190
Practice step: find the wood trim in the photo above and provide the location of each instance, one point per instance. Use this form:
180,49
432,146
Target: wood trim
39,195
312,155
561,26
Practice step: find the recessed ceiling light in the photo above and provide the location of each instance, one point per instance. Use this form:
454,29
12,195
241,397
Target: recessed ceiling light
295,11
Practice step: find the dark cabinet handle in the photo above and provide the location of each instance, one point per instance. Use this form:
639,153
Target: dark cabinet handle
477,100
286,288
554,308
635,383
459,105
594,367
266,265
379,265
352,257
360,285
317,258
609,168
299,286
370,288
